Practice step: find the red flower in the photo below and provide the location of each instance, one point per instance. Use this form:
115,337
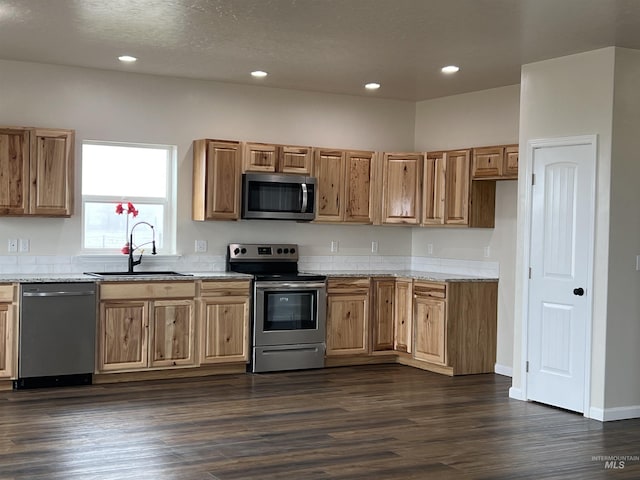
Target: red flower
125,249
130,209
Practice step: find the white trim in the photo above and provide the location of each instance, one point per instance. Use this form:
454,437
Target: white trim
516,394
591,140
612,414
503,370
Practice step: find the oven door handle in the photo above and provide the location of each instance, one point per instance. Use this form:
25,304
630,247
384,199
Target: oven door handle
269,286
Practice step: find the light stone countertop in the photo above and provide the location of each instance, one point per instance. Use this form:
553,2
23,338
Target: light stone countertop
81,277
414,274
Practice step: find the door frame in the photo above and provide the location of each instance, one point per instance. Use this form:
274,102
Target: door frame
532,145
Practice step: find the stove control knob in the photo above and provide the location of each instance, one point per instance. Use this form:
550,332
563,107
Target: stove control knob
243,251
286,250
236,251
293,250
279,251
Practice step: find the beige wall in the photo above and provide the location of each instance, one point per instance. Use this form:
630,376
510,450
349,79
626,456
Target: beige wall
622,383
488,117
106,105
568,96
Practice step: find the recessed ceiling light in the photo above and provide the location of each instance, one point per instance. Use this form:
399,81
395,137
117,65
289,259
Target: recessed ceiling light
259,74
372,86
127,58
450,69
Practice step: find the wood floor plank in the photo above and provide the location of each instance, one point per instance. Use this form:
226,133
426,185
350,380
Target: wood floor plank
369,422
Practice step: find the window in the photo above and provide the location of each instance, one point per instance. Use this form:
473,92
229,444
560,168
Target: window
114,173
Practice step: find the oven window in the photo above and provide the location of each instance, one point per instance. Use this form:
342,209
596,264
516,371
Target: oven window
290,310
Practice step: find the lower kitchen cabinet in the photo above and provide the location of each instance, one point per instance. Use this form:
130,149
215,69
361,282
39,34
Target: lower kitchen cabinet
146,325
224,321
403,315
383,314
8,330
455,326
347,316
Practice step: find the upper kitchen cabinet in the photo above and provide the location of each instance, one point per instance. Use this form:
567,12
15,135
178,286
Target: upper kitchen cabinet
495,163
216,180
37,171
456,210
402,188
345,180
450,197
262,157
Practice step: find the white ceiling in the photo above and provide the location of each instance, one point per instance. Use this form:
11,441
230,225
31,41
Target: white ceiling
319,45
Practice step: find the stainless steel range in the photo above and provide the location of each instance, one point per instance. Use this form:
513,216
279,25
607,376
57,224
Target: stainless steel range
289,308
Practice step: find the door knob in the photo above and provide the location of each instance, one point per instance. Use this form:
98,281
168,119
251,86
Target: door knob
578,291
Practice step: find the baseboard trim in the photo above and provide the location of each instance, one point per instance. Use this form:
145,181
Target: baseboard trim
613,414
516,394
503,370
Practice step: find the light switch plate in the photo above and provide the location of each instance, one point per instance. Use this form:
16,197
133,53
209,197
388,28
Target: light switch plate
12,245
638,262
374,247
334,246
201,246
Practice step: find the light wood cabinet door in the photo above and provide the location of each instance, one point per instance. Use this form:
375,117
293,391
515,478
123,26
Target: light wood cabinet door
403,316
430,328
123,331
224,330
295,160
511,157
488,162
457,187
51,172
216,180
7,340
329,173
383,314
434,186
14,165
347,324
259,157
172,333
359,177
402,188
264,157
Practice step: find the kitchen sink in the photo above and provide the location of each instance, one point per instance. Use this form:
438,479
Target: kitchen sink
138,274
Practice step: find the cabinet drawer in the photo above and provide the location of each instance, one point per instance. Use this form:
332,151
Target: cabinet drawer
155,290
348,285
225,288
429,289
7,293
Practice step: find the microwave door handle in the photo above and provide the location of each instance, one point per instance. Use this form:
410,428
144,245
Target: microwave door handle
305,198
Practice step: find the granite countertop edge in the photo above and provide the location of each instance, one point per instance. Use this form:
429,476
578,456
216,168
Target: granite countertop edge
191,276
81,277
413,274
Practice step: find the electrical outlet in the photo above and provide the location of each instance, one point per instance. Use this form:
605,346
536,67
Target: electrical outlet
374,247
24,245
430,249
334,246
201,246
487,252
638,262
12,245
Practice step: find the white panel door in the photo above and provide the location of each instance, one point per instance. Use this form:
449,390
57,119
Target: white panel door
560,277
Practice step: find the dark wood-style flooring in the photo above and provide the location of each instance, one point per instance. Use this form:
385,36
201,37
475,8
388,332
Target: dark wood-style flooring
370,422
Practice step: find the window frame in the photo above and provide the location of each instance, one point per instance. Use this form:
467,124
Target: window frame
168,202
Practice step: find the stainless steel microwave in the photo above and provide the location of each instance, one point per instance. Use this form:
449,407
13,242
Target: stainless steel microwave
278,197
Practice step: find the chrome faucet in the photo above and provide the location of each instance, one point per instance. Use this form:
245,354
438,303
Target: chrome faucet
132,262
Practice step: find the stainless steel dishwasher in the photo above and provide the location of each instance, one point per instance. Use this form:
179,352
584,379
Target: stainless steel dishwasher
57,334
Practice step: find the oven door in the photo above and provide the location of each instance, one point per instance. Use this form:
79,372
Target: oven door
288,313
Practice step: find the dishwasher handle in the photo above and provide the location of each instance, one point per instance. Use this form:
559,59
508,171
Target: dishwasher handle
58,294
